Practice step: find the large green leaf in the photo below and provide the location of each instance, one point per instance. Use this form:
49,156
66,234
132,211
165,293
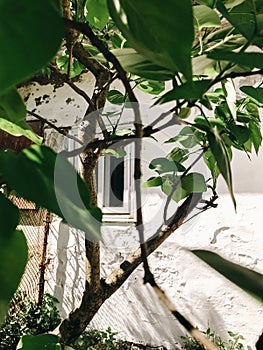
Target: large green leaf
194,183
137,64
240,133
249,280
219,151
51,182
205,17
12,106
30,34
247,59
185,91
13,252
20,129
39,342
157,31
98,13
255,93
247,18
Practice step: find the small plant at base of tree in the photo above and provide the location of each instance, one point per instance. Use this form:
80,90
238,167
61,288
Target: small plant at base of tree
233,343
25,317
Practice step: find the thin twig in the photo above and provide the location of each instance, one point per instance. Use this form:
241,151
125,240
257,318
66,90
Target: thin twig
92,106
73,86
62,131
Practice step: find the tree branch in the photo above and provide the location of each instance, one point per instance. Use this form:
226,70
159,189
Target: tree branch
74,87
120,275
62,131
234,75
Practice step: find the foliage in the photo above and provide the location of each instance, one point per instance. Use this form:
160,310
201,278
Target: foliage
26,317
93,339
233,343
200,49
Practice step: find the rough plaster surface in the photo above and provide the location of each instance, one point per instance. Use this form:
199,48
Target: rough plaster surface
201,294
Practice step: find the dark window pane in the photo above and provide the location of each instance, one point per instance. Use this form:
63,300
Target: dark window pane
116,182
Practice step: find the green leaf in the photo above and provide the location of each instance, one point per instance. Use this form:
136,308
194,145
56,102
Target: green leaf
191,183
98,14
205,17
202,123
212,165
150,86
250,281
209,3
247,59
184,112
9,217
240,133
76,67
186,91
186,137
137,64
116,97
20,129
50,181
232,3
167,187
204,66
255,93
117,153
12,106
163,165
246,19
39,342
220,153
156,31
13,252
255,135
30,35
194,183
153,182
178,155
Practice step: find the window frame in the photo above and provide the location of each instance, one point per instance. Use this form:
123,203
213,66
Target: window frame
111,214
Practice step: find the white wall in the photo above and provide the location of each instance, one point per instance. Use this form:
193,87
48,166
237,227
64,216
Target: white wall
202,295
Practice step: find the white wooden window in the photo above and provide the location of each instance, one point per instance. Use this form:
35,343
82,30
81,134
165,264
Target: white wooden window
115,186
114,177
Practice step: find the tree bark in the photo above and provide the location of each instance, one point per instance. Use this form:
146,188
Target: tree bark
78,320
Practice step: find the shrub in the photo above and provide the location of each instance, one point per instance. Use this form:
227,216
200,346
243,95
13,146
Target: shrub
25,316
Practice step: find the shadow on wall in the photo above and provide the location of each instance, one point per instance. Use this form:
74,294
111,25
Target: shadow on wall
66,274
136,313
